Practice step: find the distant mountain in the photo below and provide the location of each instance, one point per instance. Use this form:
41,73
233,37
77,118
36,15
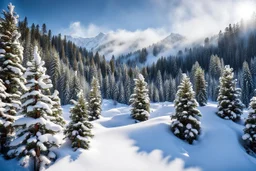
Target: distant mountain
88,43
110,44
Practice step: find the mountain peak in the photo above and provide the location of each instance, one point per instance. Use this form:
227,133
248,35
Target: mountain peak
100,35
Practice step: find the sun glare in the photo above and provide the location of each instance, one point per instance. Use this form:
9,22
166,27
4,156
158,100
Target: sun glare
245,10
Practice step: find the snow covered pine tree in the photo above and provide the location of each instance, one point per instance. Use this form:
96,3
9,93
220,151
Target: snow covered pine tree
36,134
94,100
139,100
11,54
186,124
56,109
3,117
250,126
79,129
200,87
229,103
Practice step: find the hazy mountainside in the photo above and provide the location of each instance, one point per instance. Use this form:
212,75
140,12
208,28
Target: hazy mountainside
113,44
148,55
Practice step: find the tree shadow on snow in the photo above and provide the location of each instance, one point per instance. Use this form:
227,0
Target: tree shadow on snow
66,150
118,120
160,137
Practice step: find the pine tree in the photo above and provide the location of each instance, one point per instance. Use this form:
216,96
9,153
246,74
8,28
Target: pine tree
76,86
247,84
36,134
193,72
11,54
250,126
200,87
186,124
159,85
156,97
56,109
94,100
139,100
127,88
79,129
121,97
215,70
172,90
229,103
116,93
4,119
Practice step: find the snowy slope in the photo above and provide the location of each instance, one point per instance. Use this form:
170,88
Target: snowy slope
121,144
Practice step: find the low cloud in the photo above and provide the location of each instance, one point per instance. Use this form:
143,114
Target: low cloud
200,18
127,41
76,29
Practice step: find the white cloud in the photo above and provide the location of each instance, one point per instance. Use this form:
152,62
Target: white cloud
200,18
127,41
76,29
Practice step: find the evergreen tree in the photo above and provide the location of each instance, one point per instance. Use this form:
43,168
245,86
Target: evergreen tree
193,73
247,84
250,126
121,97
229,103
76,86
116,93
172,90
54,69
11,54
56,109
127,88
36,134
186,124
106,88
139,100
166,90
4,119
159,85
200,87
79,129
215,70
94,100
156,97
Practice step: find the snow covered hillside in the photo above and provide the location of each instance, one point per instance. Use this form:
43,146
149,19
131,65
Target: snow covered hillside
121,144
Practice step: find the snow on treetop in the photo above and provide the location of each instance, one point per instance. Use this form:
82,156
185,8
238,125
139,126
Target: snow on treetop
184,75
141,77
37,58
55,93
80,94
11,8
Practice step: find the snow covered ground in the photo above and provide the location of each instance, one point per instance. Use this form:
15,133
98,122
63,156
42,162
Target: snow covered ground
121,144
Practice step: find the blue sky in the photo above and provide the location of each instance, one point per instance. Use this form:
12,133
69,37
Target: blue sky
87,18
112,14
